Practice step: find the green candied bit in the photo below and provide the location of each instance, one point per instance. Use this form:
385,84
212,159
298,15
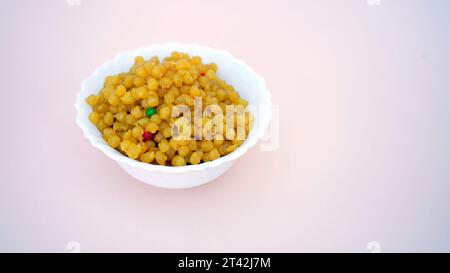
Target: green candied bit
150,112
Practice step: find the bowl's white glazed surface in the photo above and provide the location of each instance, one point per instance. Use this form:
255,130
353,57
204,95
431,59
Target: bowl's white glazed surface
250,86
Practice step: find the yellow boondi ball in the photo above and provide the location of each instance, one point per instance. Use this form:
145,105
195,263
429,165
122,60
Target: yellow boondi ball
178,161
92,100
94,117
147,157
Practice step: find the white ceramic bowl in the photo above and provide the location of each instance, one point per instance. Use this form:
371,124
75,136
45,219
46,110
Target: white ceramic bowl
249,85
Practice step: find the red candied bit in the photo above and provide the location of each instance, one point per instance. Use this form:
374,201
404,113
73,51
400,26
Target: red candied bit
202,73
147,136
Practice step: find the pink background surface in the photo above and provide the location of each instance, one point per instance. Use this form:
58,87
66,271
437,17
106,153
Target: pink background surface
364,131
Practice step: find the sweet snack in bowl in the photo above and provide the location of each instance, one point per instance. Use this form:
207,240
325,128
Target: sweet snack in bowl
174,116
138,111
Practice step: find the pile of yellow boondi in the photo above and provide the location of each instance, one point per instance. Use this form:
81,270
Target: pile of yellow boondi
135,112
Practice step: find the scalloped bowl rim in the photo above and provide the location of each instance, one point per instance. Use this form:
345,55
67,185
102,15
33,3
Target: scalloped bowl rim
262,121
